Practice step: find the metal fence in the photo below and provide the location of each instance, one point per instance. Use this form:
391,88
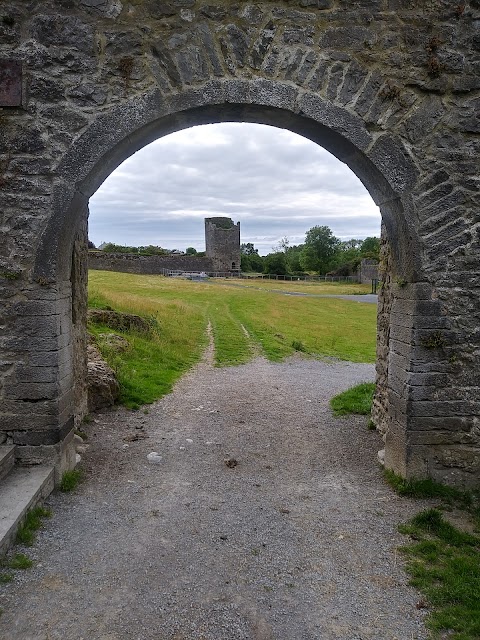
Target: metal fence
248,276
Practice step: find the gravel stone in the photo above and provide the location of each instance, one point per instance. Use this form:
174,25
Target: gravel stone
299,543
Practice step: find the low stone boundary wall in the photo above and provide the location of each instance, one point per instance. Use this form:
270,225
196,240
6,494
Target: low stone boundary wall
133,263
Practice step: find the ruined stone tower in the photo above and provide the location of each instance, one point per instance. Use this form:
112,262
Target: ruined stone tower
222,240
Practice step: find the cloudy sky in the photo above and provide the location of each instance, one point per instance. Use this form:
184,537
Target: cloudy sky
274,182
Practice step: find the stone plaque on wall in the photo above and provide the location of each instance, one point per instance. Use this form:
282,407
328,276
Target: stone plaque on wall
10,83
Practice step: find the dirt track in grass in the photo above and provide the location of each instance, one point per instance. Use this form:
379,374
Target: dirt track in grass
296,542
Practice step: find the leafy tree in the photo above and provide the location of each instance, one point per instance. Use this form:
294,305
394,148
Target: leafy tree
347,258
352,245
111,247
248,249
283,245
293,258
191,251
319,250
256,262
251,262
275,263
91,245
150,250
370,248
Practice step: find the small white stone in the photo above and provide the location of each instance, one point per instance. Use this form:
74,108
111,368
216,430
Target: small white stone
381,457
154,457
189,440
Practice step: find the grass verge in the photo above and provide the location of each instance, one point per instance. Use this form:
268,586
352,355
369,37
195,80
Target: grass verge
443,561
444,564
31,524
357,400
428,488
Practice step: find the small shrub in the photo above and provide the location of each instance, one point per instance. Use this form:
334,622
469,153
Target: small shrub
20,561
5,578
25,536
298,345
70,480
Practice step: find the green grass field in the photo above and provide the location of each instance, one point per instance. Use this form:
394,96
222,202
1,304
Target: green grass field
244,321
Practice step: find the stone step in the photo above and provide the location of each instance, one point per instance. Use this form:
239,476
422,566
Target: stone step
21,490
7,460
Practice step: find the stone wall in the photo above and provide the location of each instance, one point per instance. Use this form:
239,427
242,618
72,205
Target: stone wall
133,263
389,87
79,279
368,271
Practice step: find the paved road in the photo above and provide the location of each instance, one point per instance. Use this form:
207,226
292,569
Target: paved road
296,542
367,297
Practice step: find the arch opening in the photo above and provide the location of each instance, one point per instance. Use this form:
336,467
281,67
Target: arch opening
380,162
234,265
377,159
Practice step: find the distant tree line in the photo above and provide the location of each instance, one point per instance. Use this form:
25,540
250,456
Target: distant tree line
321,253
148,250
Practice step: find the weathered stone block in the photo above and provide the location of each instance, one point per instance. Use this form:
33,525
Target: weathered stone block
37,374
338,120
67,31
351,38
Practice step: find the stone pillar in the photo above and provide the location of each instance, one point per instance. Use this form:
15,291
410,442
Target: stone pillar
79,279
432,429
36,398
380,400
415,317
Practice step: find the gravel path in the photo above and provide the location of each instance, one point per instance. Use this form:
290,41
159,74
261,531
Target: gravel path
296,542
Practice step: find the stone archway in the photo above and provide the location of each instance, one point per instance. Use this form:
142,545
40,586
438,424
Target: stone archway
163,68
